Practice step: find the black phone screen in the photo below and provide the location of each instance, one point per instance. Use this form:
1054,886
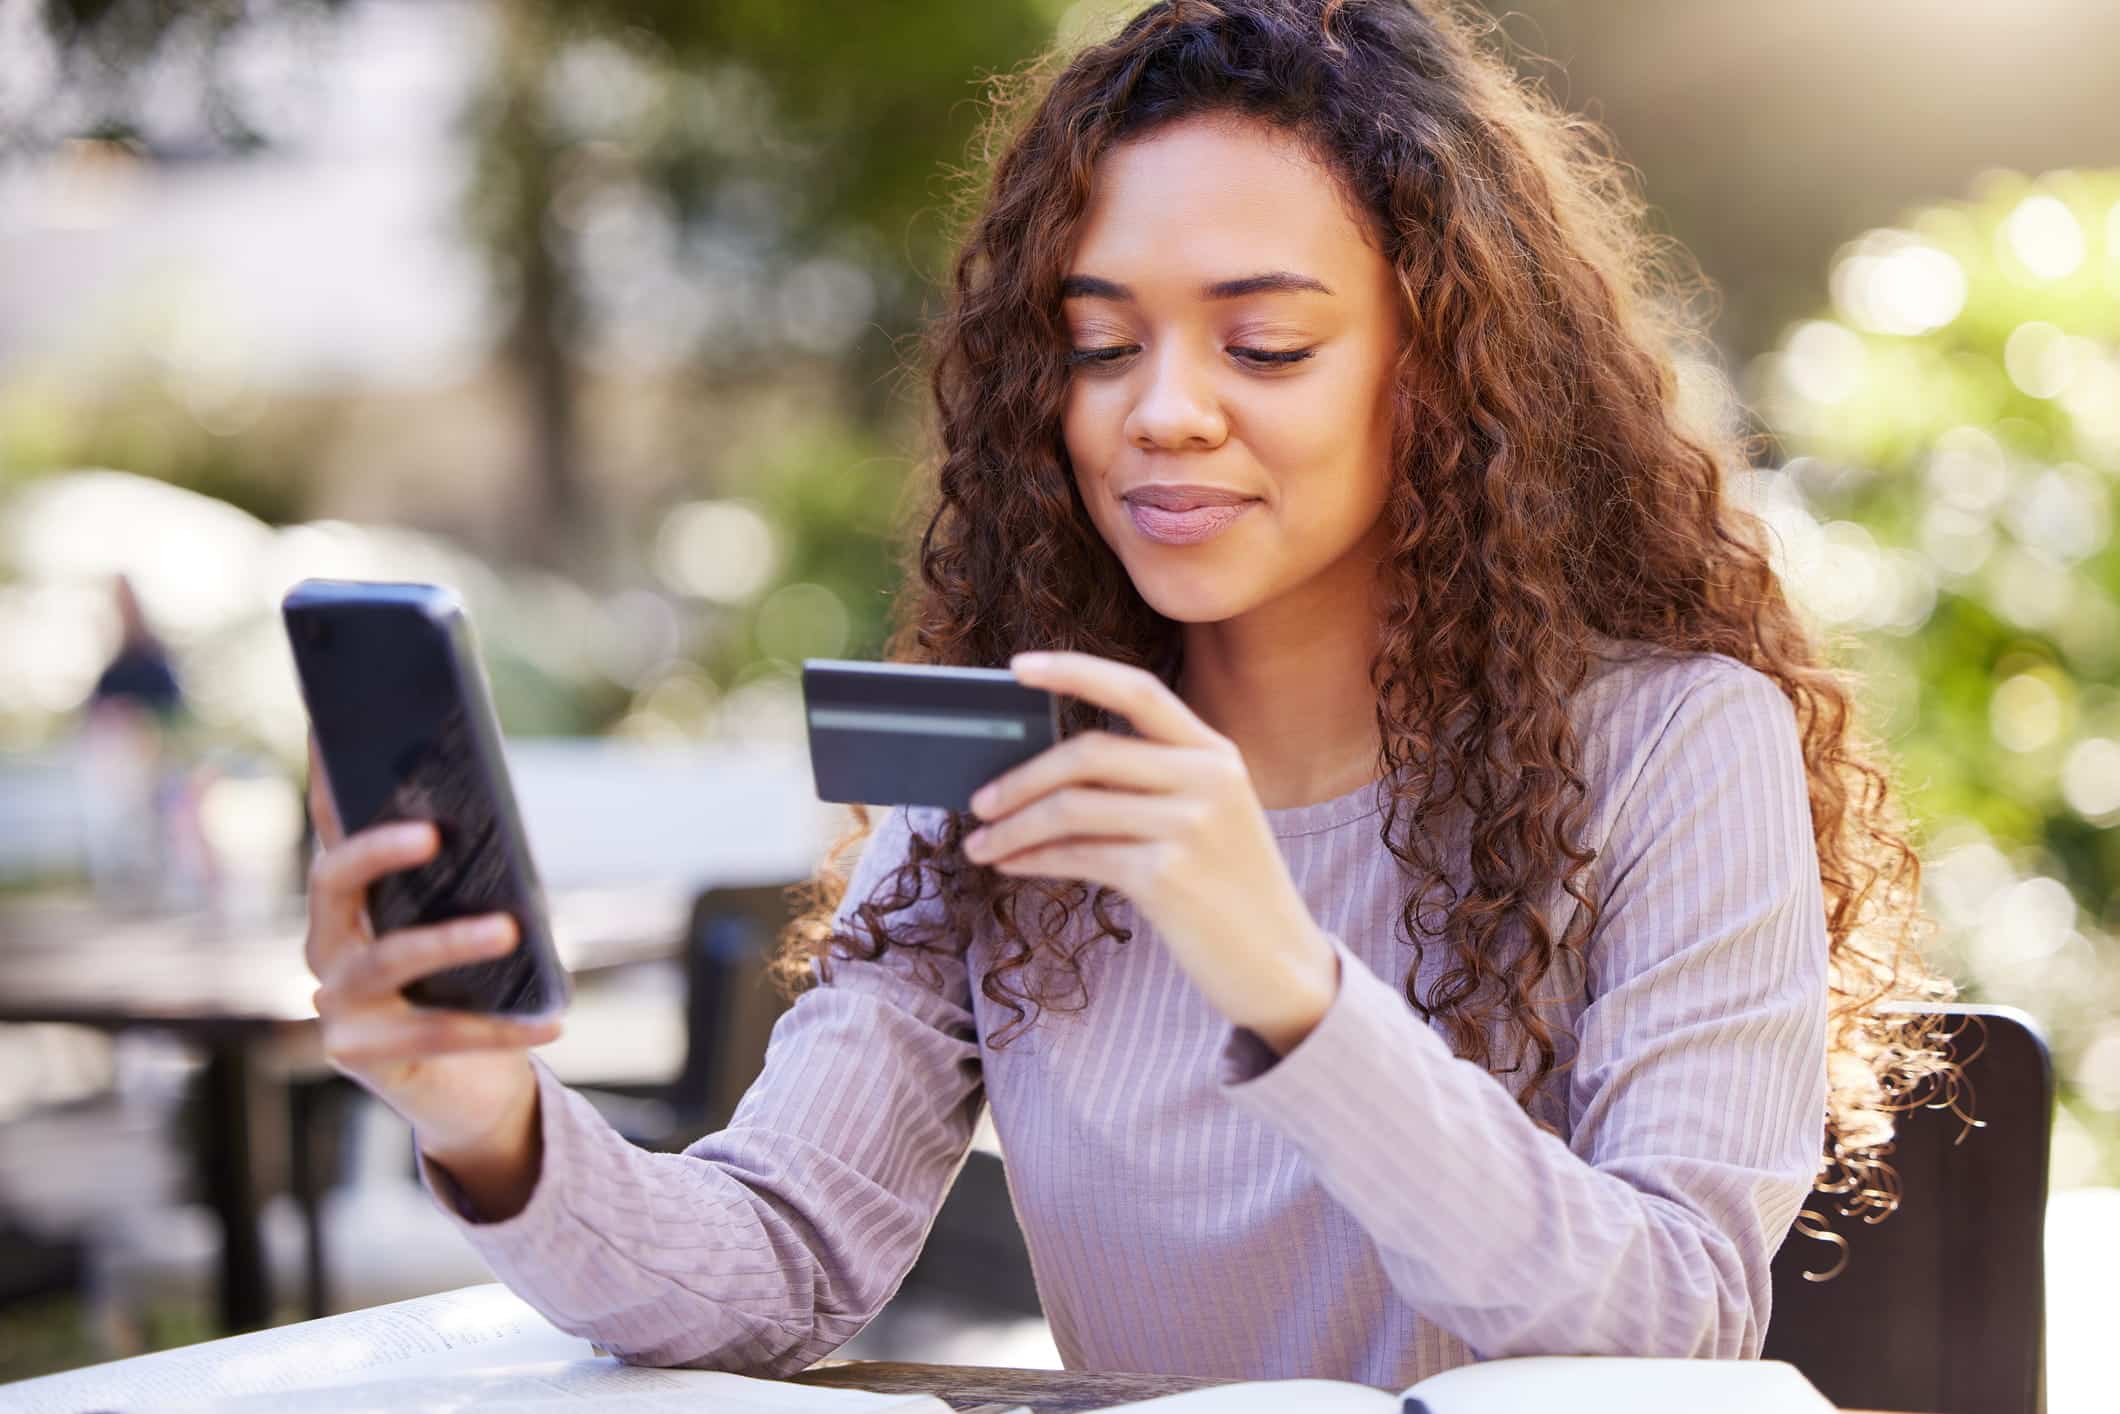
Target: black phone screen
392,696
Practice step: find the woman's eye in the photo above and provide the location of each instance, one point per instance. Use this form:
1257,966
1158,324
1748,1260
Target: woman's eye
1076,357
1272,357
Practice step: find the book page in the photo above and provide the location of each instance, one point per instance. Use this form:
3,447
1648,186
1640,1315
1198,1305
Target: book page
1275,1397
1530,1384
1604,1384
567,1387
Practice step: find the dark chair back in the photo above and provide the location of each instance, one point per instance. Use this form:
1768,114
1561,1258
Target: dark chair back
974,1251
731,1004
1942,1306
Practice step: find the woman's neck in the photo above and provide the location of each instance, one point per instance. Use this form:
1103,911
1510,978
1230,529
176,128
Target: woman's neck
1300,707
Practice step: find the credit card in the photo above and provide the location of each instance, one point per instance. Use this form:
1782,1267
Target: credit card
917,734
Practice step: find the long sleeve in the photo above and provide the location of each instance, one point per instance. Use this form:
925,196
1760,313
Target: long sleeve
1696,1102
767,1245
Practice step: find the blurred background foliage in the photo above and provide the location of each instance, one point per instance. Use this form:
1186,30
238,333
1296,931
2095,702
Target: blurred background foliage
665,454
708,231
1952,414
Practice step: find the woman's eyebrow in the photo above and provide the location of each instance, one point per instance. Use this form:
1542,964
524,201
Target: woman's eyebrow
1269,282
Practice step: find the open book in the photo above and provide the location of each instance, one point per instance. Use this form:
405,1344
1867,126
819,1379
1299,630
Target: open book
484,1347
477,1347
1530,1384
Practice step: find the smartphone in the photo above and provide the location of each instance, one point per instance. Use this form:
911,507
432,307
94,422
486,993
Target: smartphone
405,727
916,733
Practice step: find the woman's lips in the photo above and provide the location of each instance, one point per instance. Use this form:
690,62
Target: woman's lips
1184,527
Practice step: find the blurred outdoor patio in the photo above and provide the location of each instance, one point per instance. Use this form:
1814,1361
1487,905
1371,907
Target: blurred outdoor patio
597,312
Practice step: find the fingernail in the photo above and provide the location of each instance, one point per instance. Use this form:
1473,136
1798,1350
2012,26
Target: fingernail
413,832
1031,661
983,800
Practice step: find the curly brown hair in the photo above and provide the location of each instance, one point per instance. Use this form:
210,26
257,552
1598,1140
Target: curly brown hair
1550,488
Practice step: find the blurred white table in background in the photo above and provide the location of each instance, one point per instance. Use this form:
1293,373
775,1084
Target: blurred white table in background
598,811
604,811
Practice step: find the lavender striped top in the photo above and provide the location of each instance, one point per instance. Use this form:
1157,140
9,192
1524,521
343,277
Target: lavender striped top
1366,1207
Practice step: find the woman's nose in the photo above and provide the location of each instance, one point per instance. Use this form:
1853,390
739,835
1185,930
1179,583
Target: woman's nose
1178,403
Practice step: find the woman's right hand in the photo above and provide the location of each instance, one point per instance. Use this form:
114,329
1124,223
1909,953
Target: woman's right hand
461,1079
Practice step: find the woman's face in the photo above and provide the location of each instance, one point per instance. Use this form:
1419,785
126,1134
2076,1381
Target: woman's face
1275,389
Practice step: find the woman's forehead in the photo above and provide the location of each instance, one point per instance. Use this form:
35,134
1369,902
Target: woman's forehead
1205,201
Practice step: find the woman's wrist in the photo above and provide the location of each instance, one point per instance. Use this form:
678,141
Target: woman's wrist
1302,1003
497,1170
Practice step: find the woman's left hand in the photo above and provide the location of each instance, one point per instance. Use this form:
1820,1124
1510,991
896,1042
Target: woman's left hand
1170,819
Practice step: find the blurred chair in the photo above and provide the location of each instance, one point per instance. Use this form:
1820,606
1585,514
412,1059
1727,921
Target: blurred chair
730,1002
975,1251
1942,1306
728,1007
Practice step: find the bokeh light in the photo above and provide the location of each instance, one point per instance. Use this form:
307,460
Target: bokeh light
2026,713
2045,237
2090,780
718,550
1893,282
802,621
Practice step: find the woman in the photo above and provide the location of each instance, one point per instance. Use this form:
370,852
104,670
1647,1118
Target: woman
1434,936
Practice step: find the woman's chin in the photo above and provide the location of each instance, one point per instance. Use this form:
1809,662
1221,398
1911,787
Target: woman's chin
1195,598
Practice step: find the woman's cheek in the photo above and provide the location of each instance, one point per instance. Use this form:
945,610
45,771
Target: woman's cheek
1075,424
